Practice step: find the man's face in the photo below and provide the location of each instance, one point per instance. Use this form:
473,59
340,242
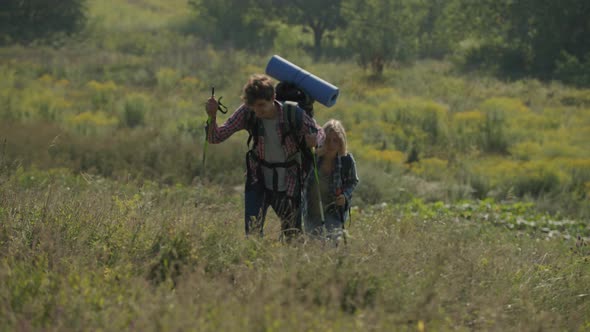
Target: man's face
264,109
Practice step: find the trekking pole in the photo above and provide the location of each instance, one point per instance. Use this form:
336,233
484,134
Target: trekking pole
207,133
317,180
223,109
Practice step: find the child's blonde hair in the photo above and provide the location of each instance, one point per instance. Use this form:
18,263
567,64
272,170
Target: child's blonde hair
336,126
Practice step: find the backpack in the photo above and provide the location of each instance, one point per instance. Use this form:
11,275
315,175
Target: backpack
294,101
286,91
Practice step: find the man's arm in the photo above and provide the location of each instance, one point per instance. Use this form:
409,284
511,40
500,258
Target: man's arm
237,121
313,133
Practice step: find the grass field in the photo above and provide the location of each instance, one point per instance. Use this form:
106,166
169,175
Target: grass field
85,253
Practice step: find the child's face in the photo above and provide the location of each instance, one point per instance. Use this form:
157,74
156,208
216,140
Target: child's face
332,143
264,109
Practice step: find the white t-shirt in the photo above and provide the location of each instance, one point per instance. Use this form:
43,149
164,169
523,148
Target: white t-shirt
273,153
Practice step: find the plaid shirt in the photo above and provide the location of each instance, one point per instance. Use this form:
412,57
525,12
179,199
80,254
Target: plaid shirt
238,121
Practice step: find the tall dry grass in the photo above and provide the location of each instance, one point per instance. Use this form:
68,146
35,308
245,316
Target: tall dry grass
86,253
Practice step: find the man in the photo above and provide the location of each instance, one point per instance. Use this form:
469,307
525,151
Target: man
275,175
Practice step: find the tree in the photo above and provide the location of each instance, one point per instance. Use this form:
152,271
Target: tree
547,28
238,23
524,37
27,20
321,16
382,31
435,40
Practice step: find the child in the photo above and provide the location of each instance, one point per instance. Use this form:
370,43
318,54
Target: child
336,172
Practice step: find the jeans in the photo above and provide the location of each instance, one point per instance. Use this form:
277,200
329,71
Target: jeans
332,229
257,201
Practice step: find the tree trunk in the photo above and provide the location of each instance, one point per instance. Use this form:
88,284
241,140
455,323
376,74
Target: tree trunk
318,33
377,65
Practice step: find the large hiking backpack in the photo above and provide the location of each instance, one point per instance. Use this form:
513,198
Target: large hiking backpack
286,91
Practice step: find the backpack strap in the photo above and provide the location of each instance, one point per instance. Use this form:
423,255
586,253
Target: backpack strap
273,166
292,124
293,119
254,127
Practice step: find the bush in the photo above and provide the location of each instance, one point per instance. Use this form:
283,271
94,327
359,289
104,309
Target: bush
432,169
572,70
136,105
167,78
536,183
103,94
495,58
26,21
377,186
526,151
500,113
579,98
467,129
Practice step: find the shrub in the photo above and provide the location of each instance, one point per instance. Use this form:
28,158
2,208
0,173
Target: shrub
496,134
26,21
580,98
377,186
536,183
103,94
496,58
92,120
172,250
431,169
572,70
579,171
167,78
387,157
466,131
190,84
526,150
426,116
136,105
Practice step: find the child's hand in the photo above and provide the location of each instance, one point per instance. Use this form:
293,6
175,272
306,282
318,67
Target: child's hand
311,140
340,200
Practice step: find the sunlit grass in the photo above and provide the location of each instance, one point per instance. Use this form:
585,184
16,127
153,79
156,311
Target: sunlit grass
83,252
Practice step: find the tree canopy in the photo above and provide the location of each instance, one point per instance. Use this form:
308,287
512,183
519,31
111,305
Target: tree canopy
525,38
319,16
24,21
382,31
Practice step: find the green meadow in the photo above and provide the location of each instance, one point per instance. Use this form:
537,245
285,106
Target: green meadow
472,211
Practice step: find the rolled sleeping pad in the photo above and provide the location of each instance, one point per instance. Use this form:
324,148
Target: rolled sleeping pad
320,90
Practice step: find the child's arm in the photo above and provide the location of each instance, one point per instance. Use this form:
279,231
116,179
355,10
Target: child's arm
349,178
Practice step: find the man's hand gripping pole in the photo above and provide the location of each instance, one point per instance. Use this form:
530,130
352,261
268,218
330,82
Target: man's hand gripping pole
223,109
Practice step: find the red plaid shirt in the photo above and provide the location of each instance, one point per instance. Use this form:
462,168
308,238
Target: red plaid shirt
238,121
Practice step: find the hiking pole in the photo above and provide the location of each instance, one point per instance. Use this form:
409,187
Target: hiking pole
207,134
341,212
317,180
